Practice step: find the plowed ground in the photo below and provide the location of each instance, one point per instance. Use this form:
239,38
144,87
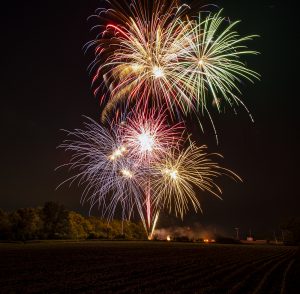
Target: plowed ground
147,267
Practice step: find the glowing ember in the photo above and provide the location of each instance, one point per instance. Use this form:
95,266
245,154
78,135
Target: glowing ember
127,173
158,72
146,142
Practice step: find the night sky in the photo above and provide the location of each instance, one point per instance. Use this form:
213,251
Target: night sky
46,87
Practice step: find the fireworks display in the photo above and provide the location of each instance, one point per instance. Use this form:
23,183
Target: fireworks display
141,164
115,164
170,59
155,63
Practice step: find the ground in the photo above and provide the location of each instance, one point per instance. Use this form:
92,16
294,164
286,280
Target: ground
147,267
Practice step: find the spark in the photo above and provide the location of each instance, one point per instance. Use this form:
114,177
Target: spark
127,173
201,62
158,72
146,142
117,153
136,67
173,174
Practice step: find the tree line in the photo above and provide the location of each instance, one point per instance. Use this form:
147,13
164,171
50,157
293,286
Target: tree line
54,221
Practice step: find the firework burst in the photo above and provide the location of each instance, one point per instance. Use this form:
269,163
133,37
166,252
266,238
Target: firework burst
211,62
148,136
176,177
109,178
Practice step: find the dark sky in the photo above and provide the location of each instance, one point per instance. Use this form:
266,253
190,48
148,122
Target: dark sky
45,87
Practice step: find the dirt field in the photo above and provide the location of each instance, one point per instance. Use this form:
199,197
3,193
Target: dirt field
147,267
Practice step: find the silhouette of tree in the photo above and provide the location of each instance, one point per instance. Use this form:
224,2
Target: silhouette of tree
291,230
54,221
5,226
55,217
